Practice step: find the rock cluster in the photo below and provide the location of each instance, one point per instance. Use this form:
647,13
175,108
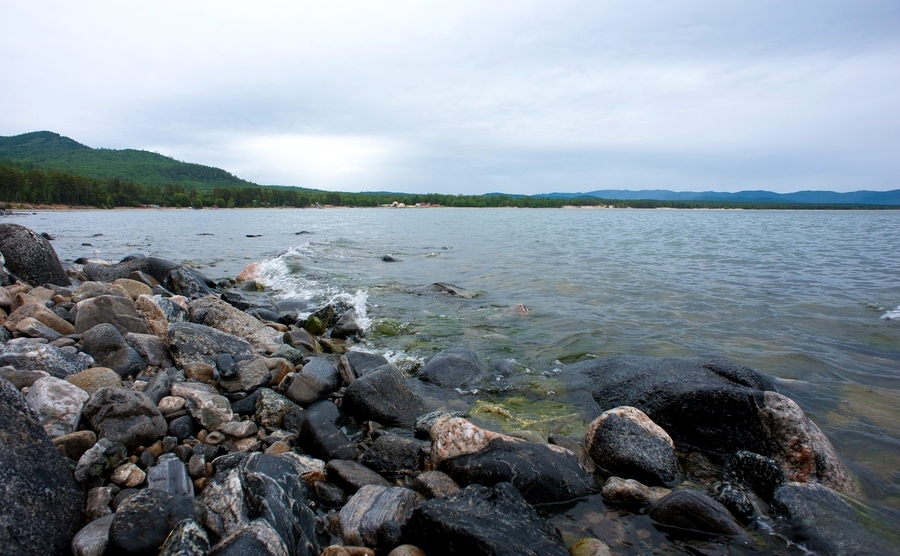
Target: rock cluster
143,410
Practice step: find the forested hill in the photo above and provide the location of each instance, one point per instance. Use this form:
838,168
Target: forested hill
812,197
48,151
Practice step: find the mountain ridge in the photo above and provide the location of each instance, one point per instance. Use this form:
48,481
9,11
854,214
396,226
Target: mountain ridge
862,197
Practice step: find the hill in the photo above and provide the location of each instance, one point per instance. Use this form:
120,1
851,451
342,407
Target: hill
48,151
807,197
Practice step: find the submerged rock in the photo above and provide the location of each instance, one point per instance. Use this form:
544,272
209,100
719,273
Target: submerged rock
690,513
452,368
383,395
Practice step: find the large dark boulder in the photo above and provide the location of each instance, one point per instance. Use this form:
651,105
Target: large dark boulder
719,408
143,521
107,346
175,277
482,520
43,507
384,396
125,416
452,368
31,257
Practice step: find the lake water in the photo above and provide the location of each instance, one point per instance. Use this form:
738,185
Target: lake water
809,297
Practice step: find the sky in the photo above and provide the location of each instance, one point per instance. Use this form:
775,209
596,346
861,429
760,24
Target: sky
471,97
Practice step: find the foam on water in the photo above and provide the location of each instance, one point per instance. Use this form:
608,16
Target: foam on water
892,315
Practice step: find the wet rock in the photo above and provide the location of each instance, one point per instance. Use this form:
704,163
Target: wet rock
159,312
352,476
144,520
43,507
362,362
626,443
124,416
258,538
452,368
204,403
577,448
107,346
757,472
391,455
74,445
58,405
689,513
250,373
314,382
590,547
375,514
176,278
151,348
188,538
384,396
826,523
95,378
212,311
302,340
321,438
31,308
110,309
170,475
30,256
482,520
100,459
629,492
434,484
41,357
93,539
738,406
189,343
443,288
737,500
425,422
347,326
329,495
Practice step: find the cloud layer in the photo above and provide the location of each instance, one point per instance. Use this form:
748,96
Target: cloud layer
473,97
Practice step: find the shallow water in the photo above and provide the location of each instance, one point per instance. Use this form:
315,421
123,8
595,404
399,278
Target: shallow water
809,297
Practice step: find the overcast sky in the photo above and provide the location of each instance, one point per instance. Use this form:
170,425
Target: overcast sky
472,97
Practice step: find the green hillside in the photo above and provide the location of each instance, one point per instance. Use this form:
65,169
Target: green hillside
48,151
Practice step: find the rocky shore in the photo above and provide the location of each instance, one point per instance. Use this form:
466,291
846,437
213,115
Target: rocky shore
145,409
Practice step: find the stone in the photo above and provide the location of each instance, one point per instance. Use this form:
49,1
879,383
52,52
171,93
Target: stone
188,538
58,405
189,343
159,312
27,308
352,476
100,459
158,387
348,326
170,475
125,416
144,520
241,429
30,256
41,357
258,538
204,403
391,455
371,510
384,396
689,512
452,368
200,372
329,495
482,520
322,439
33,328
318,378
43,507
577,448
757,472
737,500
212,311
250,373
628,492
302,340
21,378
270,407
170,404
134,288
5,299
93,539
128,475
107,346
626,443
174,277
98,500
90,288
589,546
824,522
95,378
738,406
425,422
151,348
434,484
75,444
109,309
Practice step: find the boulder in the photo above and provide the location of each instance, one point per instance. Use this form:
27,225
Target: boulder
125,416
30,256
318,378
717,407
176,278
39,312
628,492
42,357
321,438
43,507
151,348
541,472
75,444
434,484
159,312
58,405
134,288
187,538
392,455
348,326
352,476
375,514
452,368
170,475
250,372
34,328
107,346
95,378
189,343
144,520
691,513
212,311
482,520
270,407
21,378
204,403
89,289
362,362
625,442
115,310
384,396
93,539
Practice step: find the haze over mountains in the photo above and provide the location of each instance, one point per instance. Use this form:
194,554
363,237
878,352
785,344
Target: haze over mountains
49,151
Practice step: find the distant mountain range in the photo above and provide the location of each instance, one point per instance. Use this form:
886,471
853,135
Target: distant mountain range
48,151
812,197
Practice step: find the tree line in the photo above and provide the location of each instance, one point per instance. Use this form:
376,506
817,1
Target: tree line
33,186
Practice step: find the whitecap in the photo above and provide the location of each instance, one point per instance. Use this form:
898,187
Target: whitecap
892,315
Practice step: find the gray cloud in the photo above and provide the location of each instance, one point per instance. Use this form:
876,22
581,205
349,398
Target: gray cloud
472,97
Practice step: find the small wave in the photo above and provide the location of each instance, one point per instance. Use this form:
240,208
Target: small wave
892,315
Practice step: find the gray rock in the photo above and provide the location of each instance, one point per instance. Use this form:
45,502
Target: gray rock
111,309
352,476
628,492
347,326
125,416
482,520
58,405
158,387
577,448
452,368
318,378
367,518
93,539
204,403
21,378
188,538
100,459
249,373
212,311
391,455
183,427
176,278
434,484
626,443
42,506
30,256
190,343
170,476
690,512
107,346
270,407
151,348
41,357
425,422
384,396
89,289
74,445
322,439
757,472
144,520
362,362
34,328
258,538
98,500
94,378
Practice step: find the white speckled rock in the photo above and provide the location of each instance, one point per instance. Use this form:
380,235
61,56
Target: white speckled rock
58,404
